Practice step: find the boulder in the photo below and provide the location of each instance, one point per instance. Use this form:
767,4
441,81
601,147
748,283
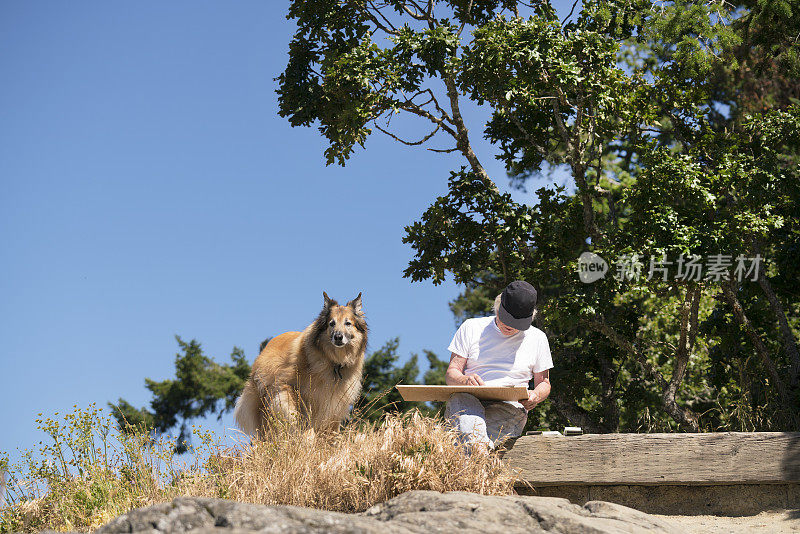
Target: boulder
411,512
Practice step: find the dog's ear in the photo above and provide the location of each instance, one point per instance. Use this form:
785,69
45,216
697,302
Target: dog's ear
328,302
356,305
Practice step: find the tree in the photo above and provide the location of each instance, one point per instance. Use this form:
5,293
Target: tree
650,107
201,387
381,375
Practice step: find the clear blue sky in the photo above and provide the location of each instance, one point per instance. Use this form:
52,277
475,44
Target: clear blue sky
149,188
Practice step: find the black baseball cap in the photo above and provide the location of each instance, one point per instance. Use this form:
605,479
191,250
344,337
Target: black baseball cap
517,304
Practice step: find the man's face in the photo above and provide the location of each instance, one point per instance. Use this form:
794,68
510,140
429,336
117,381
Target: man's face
504,329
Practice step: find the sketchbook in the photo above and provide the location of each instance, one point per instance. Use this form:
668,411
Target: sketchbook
442,393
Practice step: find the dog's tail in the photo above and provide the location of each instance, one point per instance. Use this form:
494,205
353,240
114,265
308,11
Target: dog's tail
247,411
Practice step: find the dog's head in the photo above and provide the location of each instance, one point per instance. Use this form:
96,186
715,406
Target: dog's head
341,327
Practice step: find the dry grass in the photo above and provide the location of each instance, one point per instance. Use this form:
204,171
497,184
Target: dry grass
92,474
351,470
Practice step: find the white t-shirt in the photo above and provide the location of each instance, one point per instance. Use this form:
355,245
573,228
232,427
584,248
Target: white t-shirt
498,359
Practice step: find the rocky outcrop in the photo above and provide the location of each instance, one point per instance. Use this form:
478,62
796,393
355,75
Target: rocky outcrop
412,512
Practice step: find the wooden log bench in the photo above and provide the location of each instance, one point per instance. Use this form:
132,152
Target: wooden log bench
720,473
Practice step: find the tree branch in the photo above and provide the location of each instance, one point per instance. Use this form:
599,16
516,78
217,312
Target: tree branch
789,343
409,143
462,137
741,317
570,13
683,352
366,11
464,22
680,414
444,113
525,133
573,413
414,15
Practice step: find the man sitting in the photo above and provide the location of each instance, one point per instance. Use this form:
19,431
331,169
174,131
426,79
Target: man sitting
502,350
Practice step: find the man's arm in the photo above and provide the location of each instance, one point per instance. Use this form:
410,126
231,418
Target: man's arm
540,391
455,373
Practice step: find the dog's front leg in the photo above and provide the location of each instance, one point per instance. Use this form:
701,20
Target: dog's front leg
286,404
334,426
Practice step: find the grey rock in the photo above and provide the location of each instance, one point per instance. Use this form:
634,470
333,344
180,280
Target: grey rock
412,512
428,511
203,515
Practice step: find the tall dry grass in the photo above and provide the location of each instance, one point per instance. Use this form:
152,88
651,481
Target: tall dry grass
349,471
92,473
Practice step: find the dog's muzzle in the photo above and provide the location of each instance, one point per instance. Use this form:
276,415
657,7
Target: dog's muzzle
339,339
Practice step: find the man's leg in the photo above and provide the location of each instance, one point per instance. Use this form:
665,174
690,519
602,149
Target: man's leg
466,413
503,421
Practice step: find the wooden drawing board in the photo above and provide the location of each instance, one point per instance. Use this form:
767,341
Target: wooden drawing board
442,393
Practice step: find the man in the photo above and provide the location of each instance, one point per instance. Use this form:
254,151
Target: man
503,350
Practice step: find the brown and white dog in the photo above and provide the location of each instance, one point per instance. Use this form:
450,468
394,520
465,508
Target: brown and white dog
311,376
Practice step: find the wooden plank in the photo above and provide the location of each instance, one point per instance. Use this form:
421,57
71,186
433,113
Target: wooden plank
442,393
654,459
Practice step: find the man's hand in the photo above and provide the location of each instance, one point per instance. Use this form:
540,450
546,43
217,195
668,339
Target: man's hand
533,400
455,373
473,380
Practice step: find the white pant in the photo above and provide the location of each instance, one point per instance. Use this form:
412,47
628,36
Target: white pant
488,422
